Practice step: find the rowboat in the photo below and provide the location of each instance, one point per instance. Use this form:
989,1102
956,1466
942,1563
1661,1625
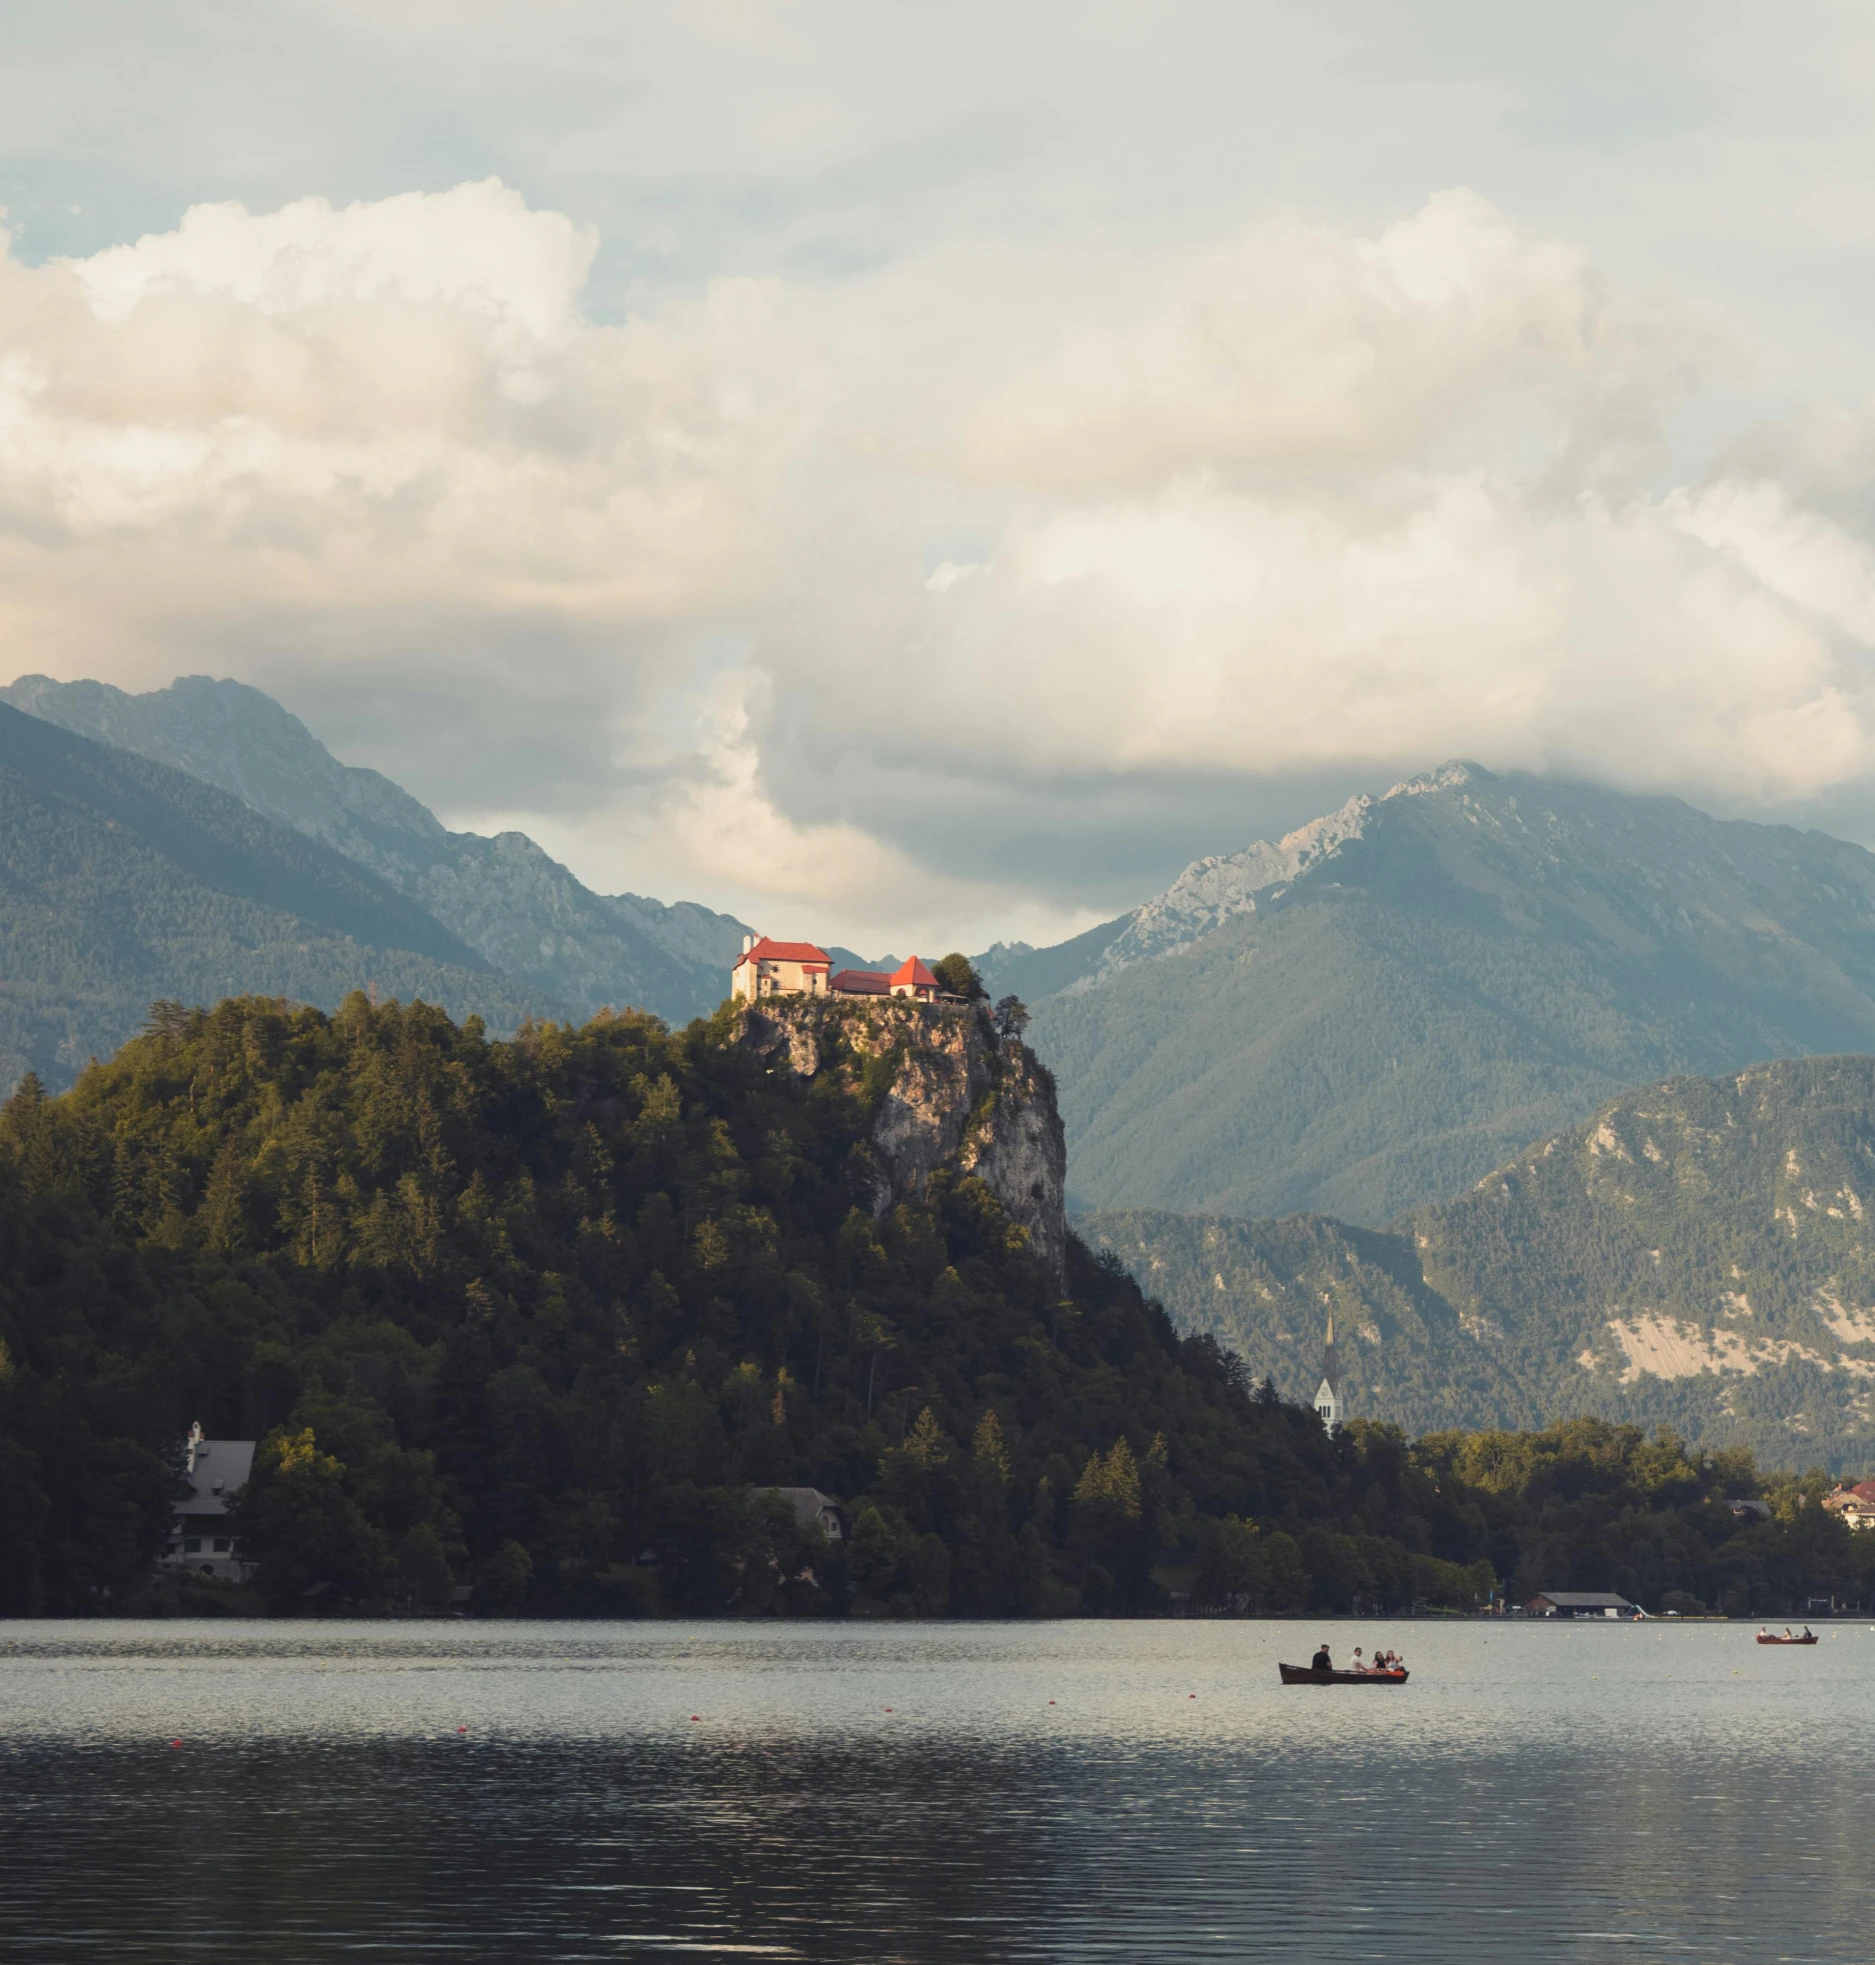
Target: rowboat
1309,1675
1762,1639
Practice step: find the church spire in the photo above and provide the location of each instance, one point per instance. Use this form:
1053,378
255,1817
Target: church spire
1328,1397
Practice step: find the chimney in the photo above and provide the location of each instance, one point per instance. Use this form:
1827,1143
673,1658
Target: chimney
748,942
195,1440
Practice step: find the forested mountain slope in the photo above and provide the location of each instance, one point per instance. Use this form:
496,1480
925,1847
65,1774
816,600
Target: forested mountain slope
1374,1012
531,1310
122,881
1700,1253
503,896
544,1318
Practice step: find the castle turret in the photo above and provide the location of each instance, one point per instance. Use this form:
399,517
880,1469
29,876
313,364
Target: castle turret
1328,1395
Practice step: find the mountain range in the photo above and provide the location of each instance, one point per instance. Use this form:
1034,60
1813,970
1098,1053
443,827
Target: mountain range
122,881
504,897
1374,1012
1699,1253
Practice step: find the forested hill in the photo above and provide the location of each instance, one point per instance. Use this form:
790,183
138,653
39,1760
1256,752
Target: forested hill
1374,1012
541,1318
1700,1252
122,881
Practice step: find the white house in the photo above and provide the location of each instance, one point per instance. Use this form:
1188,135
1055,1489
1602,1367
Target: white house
766,968
214,1472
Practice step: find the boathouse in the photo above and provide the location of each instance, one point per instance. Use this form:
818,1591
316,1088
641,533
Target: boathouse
1578,1603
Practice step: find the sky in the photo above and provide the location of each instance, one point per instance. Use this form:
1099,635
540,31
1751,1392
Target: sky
918,474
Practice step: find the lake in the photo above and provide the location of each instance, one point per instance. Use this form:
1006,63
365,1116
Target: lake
1088,1790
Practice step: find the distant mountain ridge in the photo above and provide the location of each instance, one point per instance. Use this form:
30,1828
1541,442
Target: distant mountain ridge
1376,1010
122,881
503,896
1699,1253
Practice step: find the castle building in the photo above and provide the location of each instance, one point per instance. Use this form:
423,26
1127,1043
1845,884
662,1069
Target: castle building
766,968
1328,1407
911,979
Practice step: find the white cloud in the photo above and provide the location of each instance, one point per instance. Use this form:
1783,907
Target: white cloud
1297,499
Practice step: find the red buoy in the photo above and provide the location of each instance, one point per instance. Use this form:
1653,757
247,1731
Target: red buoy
696,1715
175,1743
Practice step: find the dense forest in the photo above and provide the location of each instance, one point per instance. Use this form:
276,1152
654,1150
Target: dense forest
549,1318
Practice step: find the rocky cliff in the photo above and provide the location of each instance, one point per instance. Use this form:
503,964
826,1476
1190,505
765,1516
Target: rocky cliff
949,1091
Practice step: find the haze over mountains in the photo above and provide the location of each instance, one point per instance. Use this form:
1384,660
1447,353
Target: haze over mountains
1374,1012
1699,1253
517,907
122,881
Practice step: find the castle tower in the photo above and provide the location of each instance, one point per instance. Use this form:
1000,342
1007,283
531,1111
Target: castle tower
1328,1395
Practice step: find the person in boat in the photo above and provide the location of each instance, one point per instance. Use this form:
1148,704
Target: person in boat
1787,1632
1321,1662
1764,1630
1807,1631
1360,1663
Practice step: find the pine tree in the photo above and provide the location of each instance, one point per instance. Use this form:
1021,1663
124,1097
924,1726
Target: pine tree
987,1447
925,1445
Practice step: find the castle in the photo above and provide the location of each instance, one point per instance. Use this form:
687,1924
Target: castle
770,968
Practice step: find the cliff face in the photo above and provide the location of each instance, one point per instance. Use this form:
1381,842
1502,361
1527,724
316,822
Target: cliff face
950,1092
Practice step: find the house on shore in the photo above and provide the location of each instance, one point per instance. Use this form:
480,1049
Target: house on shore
812,1509
1578,1603
1854,1506
200,1537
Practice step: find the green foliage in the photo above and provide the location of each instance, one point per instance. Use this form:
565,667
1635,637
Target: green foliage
570,1296
957,977
552,1318
1716,1222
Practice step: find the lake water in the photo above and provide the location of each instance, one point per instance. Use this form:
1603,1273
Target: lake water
1108,1791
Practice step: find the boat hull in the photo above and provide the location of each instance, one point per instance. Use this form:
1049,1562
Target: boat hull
1811,1639
1308,1675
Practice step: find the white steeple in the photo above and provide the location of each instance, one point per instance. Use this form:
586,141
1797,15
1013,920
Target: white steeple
1328,1394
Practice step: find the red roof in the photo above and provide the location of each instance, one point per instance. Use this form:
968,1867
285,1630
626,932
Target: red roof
1864,1491
911,970
861,982
767,951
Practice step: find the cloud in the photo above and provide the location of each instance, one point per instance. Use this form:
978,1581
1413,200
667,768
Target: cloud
1034,569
